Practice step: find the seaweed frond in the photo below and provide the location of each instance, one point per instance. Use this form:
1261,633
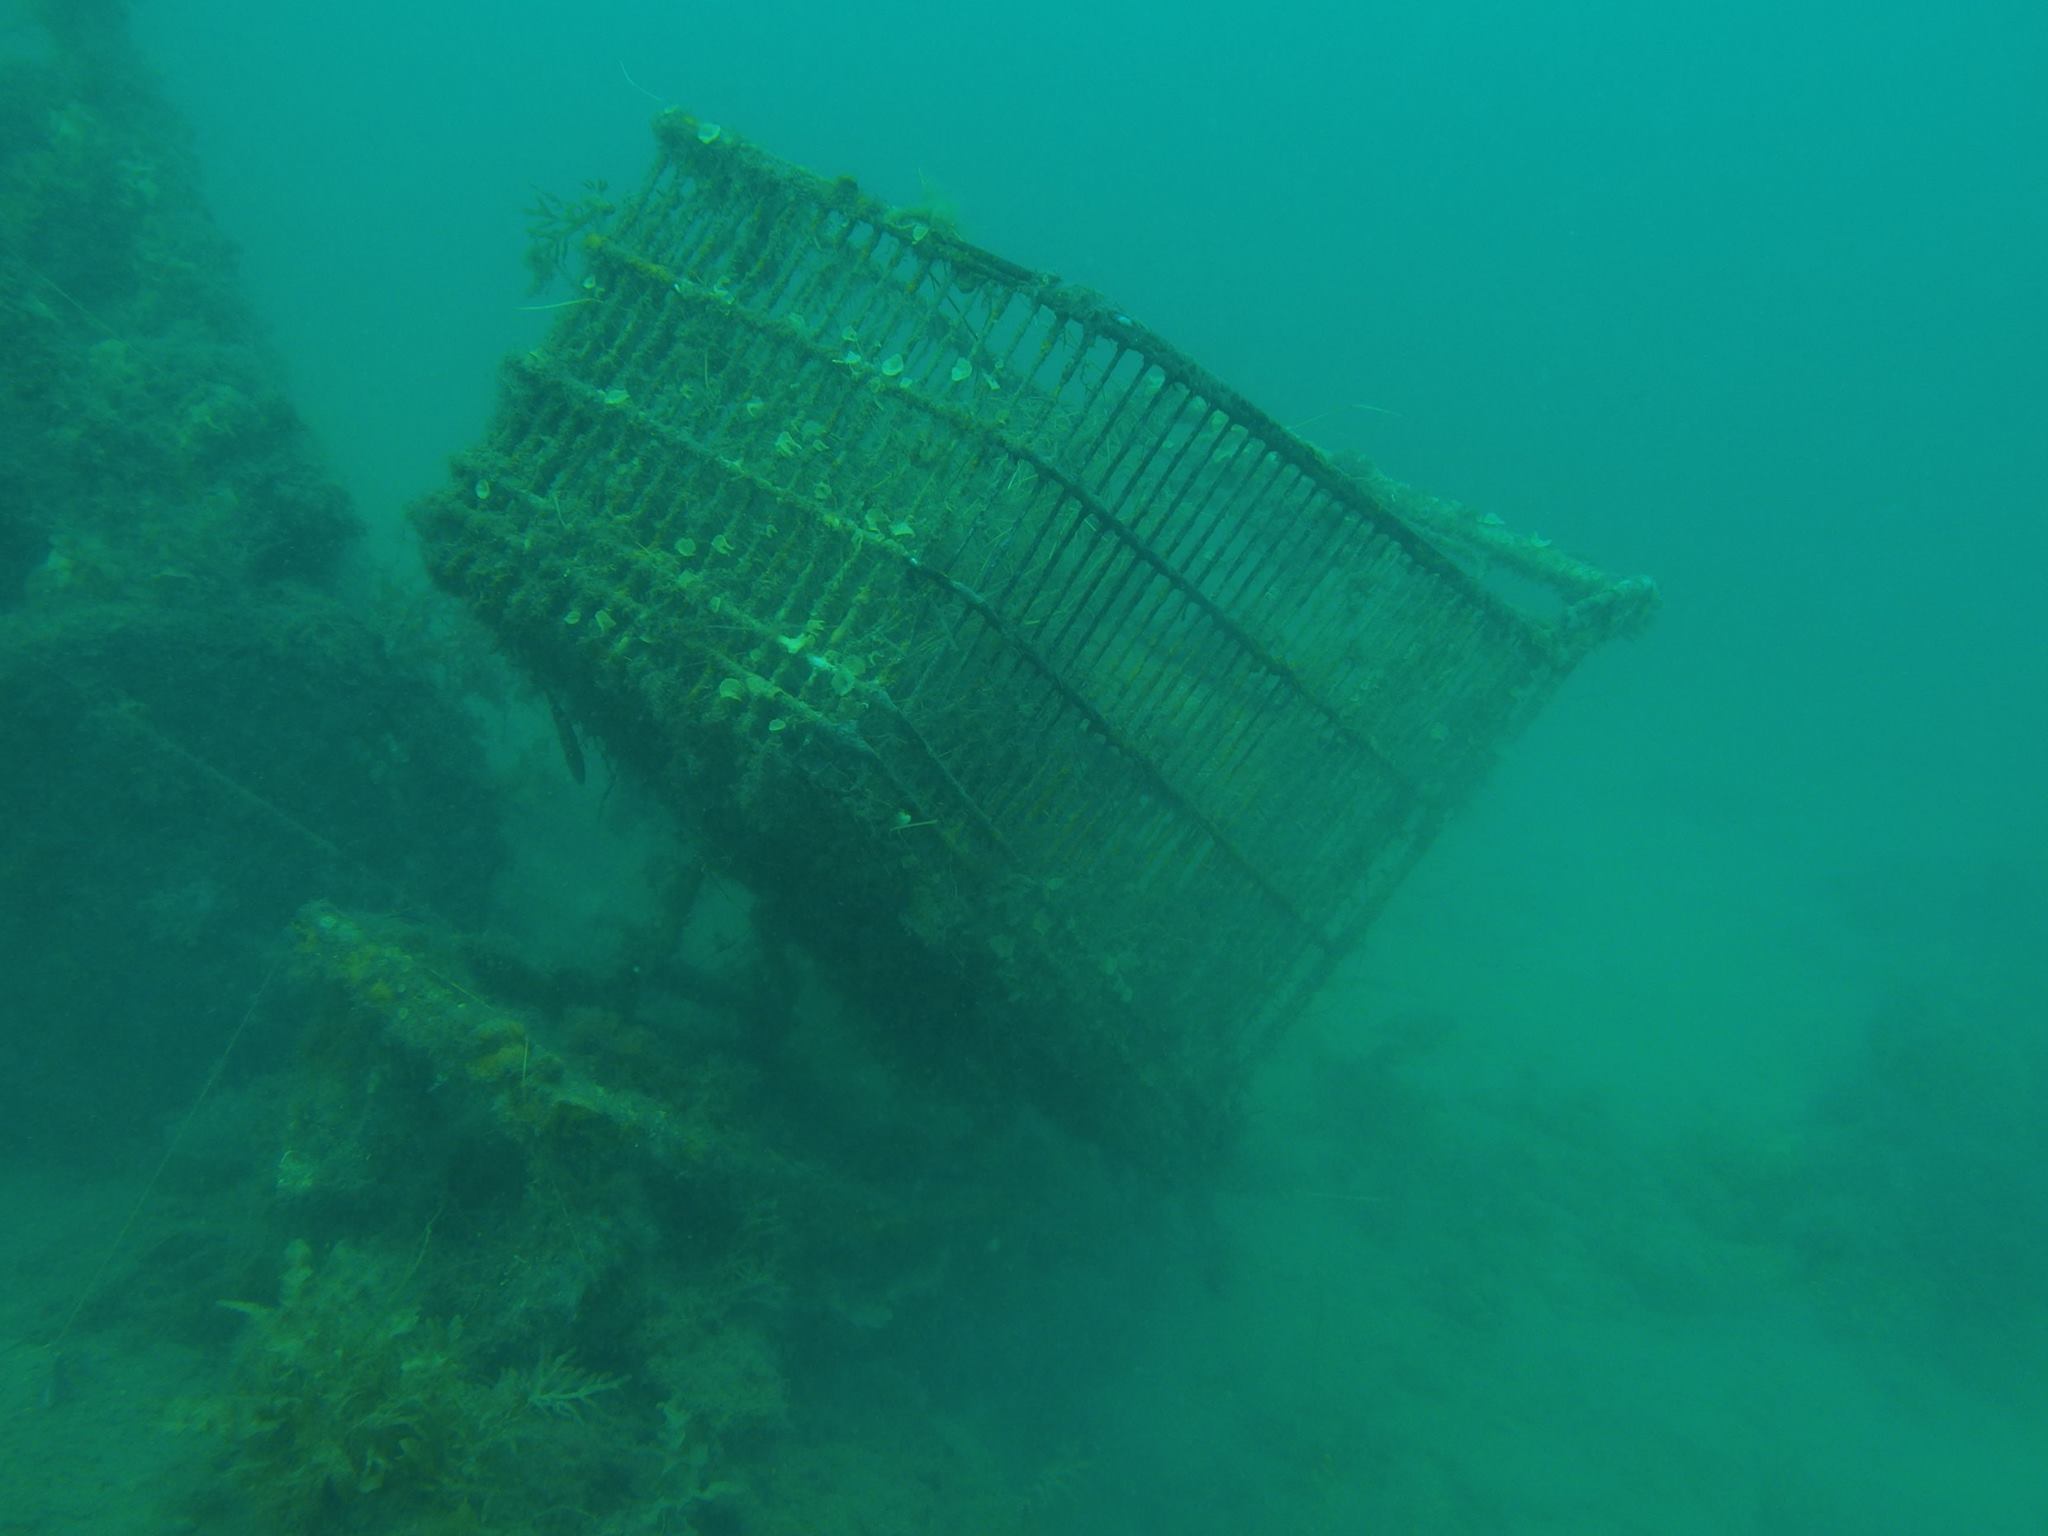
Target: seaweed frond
558,1385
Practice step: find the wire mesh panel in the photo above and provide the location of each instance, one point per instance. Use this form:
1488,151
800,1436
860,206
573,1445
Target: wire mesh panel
1053,691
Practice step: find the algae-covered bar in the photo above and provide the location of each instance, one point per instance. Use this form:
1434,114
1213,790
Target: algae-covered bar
1066,706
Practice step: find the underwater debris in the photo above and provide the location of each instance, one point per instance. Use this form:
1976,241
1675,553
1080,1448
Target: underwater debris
1156,669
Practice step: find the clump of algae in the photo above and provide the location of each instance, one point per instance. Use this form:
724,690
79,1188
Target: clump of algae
350,1409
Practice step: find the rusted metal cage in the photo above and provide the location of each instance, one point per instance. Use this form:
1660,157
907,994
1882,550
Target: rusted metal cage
1065,702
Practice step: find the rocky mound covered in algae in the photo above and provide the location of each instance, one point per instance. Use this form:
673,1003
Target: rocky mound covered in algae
203,728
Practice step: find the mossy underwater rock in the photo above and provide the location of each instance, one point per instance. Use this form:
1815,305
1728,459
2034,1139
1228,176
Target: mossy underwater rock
186,777
145,431
202,733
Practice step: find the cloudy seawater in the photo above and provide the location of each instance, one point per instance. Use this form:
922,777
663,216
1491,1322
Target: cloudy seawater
510,1028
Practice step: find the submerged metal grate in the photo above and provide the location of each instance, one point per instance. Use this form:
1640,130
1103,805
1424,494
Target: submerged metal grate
1023,661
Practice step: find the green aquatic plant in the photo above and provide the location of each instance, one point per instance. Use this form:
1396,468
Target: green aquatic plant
351,1409
934,210
558,1386
554,225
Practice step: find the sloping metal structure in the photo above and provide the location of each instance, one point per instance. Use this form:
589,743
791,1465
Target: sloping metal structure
1066,704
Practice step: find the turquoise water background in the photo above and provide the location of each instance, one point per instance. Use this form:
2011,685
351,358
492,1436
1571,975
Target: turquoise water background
1675,1157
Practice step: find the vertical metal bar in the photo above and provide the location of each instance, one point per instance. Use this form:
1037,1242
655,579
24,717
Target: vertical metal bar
1142,618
